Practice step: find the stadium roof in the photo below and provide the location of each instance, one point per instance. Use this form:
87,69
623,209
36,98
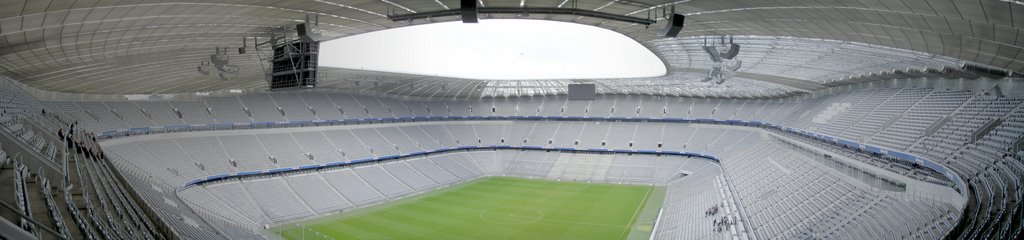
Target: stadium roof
122,47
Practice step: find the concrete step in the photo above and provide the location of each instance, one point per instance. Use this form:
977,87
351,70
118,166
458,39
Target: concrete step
69,220
37,204
7,194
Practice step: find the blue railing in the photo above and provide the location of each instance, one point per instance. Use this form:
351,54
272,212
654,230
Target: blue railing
906,157
220,177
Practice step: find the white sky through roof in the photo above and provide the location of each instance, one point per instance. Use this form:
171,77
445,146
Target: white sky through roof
496,49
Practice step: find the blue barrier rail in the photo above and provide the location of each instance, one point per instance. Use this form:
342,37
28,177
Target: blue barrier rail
906,157
220,177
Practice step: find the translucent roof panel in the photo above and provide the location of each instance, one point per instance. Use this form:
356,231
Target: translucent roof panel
496,49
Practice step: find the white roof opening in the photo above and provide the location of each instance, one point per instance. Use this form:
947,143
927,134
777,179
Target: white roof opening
496,49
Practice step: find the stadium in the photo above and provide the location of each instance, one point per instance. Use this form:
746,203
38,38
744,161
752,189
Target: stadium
529,119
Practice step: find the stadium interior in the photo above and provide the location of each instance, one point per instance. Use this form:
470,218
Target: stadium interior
786,119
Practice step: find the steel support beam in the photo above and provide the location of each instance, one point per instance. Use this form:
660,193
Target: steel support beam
524,10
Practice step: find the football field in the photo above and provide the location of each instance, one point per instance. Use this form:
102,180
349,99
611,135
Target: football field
492,208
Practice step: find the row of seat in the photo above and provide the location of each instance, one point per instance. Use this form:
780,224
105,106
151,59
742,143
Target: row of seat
987,164
14,125
178,160
84,208
285,198
787,197
14,100
911,170
764,110
281,107
995,175
686,199
36,199
382,180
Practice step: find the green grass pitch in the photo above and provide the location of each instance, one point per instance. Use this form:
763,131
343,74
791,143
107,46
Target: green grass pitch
491,208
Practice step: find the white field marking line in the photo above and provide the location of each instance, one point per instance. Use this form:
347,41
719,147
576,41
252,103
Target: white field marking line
373,235
579,223
636,213
556,220
364,211
544,218
485,212
363,214
332,219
